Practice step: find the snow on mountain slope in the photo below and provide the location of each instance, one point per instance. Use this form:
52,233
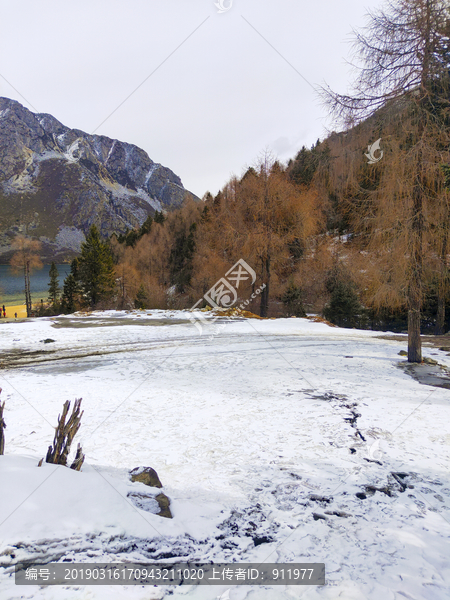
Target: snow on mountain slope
56,177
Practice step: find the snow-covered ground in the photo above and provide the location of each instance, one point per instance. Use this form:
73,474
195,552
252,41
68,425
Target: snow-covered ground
262,435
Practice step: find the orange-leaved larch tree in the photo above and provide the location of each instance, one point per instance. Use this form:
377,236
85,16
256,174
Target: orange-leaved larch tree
403,58
262,218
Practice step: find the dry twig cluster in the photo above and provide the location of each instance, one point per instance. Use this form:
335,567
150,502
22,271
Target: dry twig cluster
64,434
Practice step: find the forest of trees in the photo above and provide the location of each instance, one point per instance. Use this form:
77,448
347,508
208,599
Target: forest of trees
364,245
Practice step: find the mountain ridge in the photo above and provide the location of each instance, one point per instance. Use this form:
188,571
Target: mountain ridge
55,182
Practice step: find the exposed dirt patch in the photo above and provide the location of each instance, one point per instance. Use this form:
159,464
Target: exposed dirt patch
442,342
83,322
23,358
13,357
317,319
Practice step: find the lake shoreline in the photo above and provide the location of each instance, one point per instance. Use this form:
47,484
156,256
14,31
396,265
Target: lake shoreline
20,309
12,284
19,299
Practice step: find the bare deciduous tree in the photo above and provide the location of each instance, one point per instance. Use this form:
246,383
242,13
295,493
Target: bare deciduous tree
404,58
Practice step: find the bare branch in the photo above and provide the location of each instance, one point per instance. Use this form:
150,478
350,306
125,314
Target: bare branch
64,434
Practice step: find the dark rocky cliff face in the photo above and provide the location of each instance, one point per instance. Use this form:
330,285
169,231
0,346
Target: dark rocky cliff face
55,182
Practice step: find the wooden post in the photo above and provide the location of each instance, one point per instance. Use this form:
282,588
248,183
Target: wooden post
2,428
27,288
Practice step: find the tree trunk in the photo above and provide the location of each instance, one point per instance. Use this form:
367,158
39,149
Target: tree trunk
2,429
415,297
442,288
264,306
27,287
440,317
415,302
414,341
415,276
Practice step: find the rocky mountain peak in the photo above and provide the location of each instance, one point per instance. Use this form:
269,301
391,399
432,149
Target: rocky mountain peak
55,182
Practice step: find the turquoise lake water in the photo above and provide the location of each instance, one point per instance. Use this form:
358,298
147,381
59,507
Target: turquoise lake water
12,286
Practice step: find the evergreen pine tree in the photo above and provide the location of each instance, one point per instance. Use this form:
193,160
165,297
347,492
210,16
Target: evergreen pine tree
54,290
159,217
96,268
181,259
141,298
146,226
302,169
344,308
131,238
122,237
71,295
70,289
292,300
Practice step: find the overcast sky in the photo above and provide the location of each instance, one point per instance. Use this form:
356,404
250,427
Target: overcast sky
201,91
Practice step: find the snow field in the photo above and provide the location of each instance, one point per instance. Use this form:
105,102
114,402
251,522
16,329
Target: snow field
255,437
